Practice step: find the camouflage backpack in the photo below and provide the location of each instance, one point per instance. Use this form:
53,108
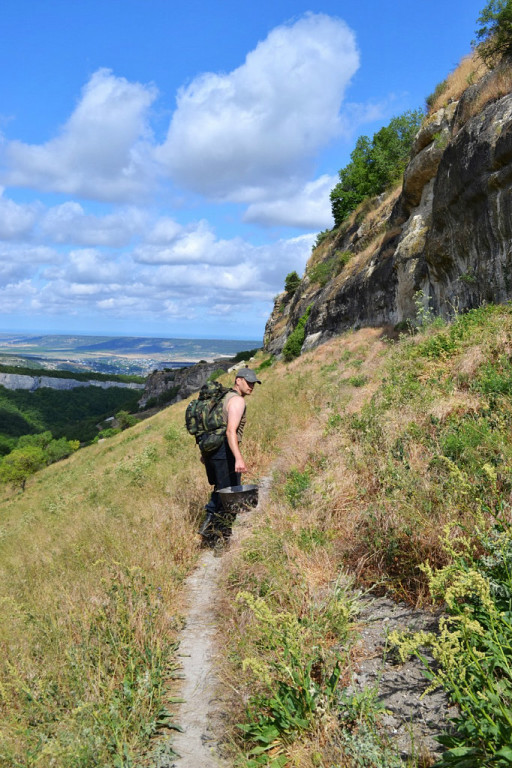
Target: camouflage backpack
204,416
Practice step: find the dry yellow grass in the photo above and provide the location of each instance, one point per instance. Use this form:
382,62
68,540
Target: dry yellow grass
470,70
119,518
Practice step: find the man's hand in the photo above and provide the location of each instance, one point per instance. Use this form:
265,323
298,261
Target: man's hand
240,465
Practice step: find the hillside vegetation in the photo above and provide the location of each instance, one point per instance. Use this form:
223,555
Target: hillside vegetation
72,414
383,454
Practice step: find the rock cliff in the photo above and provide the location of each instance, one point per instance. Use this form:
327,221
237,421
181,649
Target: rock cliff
174,384
446,232
31,383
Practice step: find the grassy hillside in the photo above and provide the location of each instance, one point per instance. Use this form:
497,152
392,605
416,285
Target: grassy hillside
383,455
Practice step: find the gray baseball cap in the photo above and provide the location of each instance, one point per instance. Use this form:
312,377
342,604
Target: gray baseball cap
248,374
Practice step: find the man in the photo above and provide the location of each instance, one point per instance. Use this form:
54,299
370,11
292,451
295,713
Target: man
224,467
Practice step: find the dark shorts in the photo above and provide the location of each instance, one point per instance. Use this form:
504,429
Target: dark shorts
220,470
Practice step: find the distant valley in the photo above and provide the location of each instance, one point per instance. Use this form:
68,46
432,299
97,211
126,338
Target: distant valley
130,355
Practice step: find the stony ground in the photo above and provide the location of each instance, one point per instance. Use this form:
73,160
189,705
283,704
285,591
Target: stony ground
413,719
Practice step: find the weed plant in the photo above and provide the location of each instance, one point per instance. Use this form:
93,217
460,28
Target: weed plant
473,652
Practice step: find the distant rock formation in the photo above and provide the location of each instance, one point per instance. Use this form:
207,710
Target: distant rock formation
31,383
174,384
447,233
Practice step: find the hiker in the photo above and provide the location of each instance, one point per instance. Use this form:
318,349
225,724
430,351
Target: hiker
225,465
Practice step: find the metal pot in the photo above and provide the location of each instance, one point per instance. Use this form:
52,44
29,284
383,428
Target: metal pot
239,498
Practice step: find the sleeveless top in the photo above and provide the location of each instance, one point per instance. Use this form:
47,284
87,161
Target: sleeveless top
227,398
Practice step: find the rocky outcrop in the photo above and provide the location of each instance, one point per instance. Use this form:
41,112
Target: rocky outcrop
447,233
174,384
468,248
31,383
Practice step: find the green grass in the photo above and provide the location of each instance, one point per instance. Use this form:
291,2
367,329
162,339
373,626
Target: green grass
366,478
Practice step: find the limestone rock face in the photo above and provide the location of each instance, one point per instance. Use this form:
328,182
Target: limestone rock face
446,233
31,383
469,243
179,383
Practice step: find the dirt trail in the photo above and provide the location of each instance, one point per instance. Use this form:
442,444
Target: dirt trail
411,722
197,745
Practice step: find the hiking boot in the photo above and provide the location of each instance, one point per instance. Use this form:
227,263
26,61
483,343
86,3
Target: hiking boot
220,546
207,530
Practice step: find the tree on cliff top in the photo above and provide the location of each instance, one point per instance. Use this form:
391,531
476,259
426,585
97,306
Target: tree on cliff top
495,31
375,164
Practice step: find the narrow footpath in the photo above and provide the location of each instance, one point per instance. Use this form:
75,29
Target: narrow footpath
412,719
196,746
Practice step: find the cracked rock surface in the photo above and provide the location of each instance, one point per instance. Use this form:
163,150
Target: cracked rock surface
412,719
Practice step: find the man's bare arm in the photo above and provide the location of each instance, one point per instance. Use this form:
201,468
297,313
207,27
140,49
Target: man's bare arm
235,408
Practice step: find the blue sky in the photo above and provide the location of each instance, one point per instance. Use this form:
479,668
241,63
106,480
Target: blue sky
164,165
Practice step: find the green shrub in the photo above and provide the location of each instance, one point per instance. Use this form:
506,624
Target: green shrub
173,437
295,340
244,355
296,486
358,381
375,165
321,272
291,283
473,651
438,90
215,374
321,237
495,31
266,364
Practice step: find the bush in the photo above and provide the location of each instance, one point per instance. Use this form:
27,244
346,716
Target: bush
375,164
295,340
325,270
321,237
266,364
296,486
472,652
125,419
244,355
216,373
438,90
291,283
495,31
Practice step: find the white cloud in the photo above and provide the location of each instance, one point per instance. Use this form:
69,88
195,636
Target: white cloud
16,221
234,136
212,276
89,266
164,231
19,261
103,151
195,244
309,207
17,296
69,223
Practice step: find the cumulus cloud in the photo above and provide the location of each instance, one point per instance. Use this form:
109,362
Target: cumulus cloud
194,244
205,276
233,136
88,266
308,207
16,221
102,152
69,223
19,262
